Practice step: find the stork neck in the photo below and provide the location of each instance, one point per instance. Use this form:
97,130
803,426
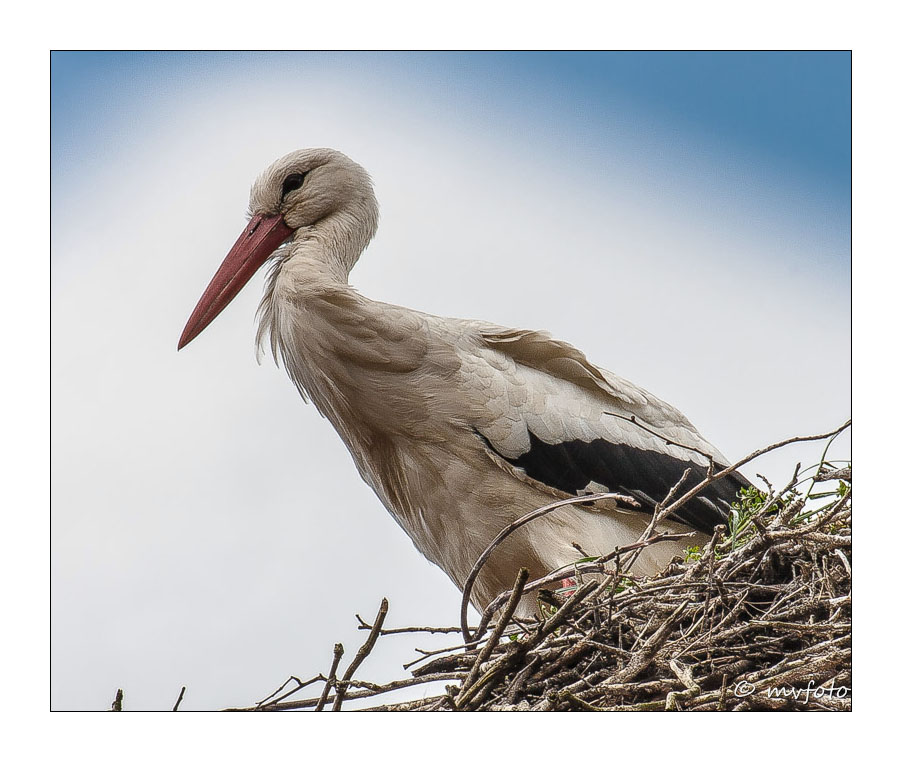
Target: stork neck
335,243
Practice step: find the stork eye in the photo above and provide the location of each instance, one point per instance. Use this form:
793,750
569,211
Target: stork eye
292,183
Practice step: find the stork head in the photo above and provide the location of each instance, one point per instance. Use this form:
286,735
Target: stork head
307,186
301,192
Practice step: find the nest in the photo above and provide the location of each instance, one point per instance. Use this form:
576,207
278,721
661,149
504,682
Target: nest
758,618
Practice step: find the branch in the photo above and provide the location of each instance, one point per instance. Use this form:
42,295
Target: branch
337,652
364,651
514,599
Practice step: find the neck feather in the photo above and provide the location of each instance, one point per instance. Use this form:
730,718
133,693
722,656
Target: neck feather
325,252
338,240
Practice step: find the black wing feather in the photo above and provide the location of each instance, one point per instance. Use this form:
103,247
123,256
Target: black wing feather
645,474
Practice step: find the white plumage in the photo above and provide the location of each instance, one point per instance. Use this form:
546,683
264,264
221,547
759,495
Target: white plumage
459,426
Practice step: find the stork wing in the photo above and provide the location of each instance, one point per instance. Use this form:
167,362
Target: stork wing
563,423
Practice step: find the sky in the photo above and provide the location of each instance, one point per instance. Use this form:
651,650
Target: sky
682,218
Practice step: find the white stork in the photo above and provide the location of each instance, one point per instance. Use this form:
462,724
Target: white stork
459,426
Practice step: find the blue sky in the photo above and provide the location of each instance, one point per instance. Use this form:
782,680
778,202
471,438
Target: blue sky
787,112
684,219
790,107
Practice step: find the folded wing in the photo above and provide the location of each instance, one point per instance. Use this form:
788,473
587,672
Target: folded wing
562,423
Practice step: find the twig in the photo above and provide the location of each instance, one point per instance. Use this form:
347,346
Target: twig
506,615
300,685
284,706
833,474
643,656
364,651
632,419
399,630
337,652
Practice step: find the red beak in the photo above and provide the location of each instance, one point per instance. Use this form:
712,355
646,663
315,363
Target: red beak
261,237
